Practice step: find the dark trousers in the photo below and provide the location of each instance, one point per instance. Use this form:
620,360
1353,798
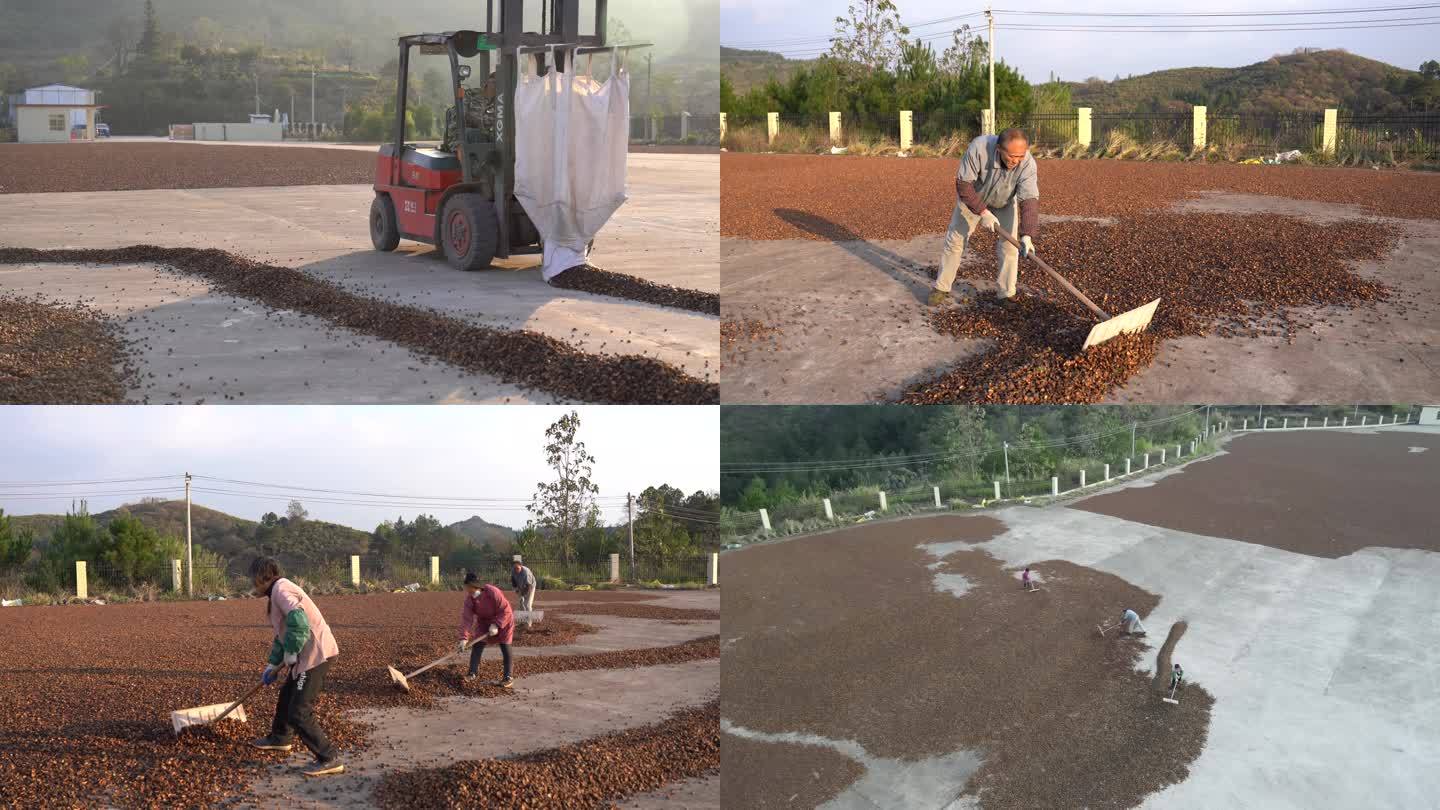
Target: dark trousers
480,648
295,711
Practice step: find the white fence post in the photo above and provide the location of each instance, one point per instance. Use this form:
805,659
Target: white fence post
765,519
836,133
614,567
1363,420
1285,423
82,587
1082,126
1162,454
1107,472
937,497
1147,462
829,513
723,122
884,507
175,575
997,490
684,125
712,570
1345,422
1127,465
1198,125
434,570
1326,423
1054,485
1306,423
772,125
1244,424
355,570
1082,479
907,130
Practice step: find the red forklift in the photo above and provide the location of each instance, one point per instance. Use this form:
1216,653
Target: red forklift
464,201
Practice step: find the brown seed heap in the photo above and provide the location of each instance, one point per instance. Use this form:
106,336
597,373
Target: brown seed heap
1057,715
59,353
640,612
128,166
880,198
736,335
516,356
618,285
591,774
1212,272
1166,657
86,721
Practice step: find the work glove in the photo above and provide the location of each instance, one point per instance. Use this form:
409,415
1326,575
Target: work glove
494,631
291,658
1027,247
988,221
270,674
462,647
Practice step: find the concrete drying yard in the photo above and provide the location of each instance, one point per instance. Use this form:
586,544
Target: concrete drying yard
1279,284
88,691
190,341
899,664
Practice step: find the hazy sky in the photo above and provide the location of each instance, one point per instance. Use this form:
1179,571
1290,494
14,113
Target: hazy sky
474,452
777,24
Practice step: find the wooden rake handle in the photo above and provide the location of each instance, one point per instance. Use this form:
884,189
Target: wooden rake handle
442,659
1070,288
285,673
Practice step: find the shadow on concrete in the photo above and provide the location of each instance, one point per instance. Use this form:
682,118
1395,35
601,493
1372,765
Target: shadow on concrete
898,267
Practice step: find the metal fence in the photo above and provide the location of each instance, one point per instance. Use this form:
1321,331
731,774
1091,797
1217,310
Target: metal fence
1143,127
1406,136
1266,132
681,129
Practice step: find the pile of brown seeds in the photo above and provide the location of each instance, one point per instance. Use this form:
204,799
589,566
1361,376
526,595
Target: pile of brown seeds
87,721
618,285
590,774
735,335
641,611
880,198
60,353
1211,272
1020,679
26,168
522,357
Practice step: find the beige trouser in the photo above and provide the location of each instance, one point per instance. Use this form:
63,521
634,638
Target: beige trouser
527,602
962,224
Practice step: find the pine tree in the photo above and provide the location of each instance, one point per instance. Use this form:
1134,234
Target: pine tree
150,38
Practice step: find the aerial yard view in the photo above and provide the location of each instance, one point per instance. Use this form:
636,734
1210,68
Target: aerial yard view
289,261
162,650
1251,625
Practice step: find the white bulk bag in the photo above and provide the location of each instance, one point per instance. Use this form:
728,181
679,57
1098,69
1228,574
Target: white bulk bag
572,137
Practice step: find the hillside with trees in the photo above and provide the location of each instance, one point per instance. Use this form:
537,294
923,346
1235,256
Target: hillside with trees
157,62
482,532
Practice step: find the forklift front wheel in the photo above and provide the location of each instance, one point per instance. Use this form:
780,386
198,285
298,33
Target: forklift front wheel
384,233
469,231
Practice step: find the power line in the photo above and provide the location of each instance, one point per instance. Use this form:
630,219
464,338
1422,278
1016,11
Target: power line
1276,13
825,39
1254,29
291,489
87,483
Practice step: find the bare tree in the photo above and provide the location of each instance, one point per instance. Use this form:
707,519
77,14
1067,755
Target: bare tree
120,35
966,52
871,36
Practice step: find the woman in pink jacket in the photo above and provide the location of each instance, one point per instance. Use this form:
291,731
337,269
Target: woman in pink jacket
305,647
487,616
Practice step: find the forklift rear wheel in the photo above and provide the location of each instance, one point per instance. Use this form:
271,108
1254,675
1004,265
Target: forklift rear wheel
469,231
384,233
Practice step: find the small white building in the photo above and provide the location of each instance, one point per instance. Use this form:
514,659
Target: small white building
1429,415
49,113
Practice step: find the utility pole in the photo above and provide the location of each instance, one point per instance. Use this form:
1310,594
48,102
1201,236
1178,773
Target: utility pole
630,520
1007,462
312,100
189,552
991,53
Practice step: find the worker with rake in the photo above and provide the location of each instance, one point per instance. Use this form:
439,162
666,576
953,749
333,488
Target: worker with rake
487,616
1130,623
523,580
302,649
997,187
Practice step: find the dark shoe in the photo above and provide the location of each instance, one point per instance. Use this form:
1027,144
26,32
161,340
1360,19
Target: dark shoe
938,297
506,683
325,767
273,743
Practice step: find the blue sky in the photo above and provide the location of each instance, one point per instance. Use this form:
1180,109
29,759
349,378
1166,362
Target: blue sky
475,452
1076,56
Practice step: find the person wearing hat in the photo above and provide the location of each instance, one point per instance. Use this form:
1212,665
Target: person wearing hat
523,580
1177,676
486,617
1026,582
305,647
